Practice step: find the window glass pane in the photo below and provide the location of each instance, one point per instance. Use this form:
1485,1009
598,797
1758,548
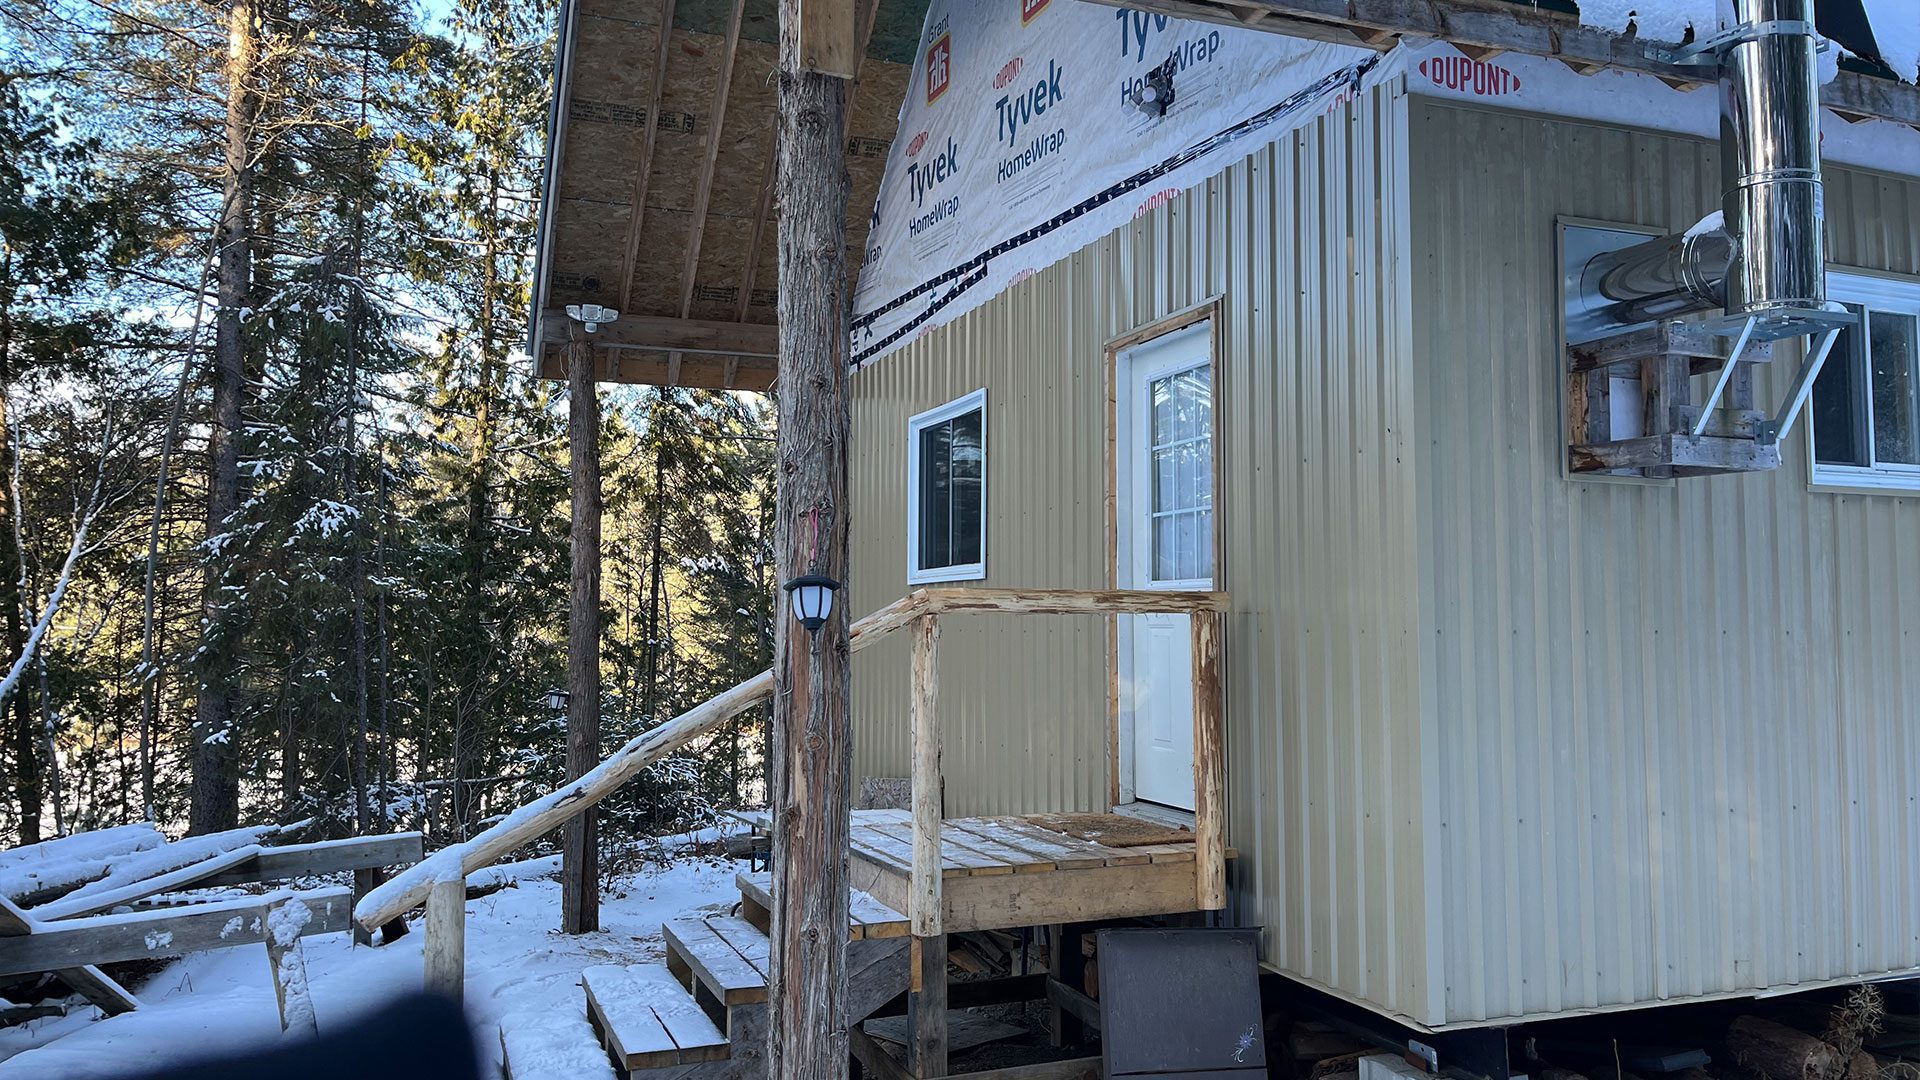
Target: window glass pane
1891,344
1181,472
951,492
969,471
1837,407
936,496
1165,549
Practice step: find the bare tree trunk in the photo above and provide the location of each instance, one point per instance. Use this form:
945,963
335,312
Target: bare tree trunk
216,785
24,735
580,872
812,756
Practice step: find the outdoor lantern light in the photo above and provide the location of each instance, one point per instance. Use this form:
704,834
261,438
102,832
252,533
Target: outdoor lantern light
812,597
558,699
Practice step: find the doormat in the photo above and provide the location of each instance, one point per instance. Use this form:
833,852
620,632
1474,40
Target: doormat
1112,830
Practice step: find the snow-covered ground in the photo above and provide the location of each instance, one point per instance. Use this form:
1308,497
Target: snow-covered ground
517,961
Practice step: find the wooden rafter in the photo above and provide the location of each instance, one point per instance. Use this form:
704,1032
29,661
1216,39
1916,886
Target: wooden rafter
659,332
703,188
770,172
643,170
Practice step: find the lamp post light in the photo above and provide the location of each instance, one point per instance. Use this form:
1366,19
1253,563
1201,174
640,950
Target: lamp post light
558,700
811,596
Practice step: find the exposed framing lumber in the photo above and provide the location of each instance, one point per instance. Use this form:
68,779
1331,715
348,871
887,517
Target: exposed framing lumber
108,939
827,40
681,335
643,169
703,187
769,174
1487,28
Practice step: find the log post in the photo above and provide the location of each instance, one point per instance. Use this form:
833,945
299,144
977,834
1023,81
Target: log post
927,1008
579,853
812,741
924,899
446,934
1209,766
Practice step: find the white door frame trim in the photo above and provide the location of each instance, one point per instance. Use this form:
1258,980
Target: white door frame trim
1119,728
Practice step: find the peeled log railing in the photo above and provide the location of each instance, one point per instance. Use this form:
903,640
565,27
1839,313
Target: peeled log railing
439,882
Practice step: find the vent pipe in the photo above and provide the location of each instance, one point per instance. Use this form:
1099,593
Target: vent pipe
1765,257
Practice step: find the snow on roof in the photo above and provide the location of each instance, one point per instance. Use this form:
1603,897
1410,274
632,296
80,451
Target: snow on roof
1894,25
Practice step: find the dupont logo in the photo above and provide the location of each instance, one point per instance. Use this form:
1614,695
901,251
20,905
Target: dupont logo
1155,201
939,67
1008,73
1476,77
1031,9
1021,276
913,148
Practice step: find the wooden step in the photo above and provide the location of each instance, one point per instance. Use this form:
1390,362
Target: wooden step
726,956
648,1024
866,917
552,1045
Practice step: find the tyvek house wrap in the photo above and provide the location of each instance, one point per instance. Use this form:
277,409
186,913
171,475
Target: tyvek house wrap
1021,141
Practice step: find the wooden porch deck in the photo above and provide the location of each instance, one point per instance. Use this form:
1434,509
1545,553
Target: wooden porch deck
1004,872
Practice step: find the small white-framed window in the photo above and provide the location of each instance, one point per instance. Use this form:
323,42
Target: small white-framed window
1865,415
947,491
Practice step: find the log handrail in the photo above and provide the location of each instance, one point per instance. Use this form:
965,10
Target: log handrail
408,889
1203,611
412,886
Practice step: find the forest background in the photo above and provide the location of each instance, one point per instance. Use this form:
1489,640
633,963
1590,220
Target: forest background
285,528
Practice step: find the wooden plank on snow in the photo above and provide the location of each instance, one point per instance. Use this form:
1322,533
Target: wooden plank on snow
142,935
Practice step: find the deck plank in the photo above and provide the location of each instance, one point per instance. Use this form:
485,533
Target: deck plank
981,838
897,854
953,850
1063,851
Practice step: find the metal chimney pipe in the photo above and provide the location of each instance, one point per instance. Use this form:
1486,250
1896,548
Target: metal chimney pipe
1770,159
1767,254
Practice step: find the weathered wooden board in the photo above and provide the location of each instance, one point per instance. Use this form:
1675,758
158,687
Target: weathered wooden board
107,939
714,962
325,857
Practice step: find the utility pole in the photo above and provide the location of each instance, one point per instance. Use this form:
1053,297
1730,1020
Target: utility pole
812,751
579,854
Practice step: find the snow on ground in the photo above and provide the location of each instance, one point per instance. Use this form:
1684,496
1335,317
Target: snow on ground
517,962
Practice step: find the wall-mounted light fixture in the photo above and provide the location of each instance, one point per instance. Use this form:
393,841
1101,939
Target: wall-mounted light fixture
591,314
558,700
811,596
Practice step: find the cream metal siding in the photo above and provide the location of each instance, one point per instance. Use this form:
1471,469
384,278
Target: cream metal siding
1304,243
1677,725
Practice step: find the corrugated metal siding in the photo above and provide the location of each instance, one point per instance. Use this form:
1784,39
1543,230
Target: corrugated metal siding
1677,726
1304,242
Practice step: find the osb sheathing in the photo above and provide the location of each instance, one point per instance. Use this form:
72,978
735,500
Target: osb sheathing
615,45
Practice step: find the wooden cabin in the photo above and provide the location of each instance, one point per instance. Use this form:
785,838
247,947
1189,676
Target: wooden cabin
1330,541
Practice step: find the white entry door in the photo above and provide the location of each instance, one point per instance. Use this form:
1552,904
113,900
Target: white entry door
1164,517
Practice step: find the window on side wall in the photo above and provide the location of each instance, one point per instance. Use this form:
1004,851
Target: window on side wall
1866,402
947,491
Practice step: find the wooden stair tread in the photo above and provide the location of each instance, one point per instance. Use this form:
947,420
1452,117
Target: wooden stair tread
633,1036
698,1038
715,962
648,1025
866,917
